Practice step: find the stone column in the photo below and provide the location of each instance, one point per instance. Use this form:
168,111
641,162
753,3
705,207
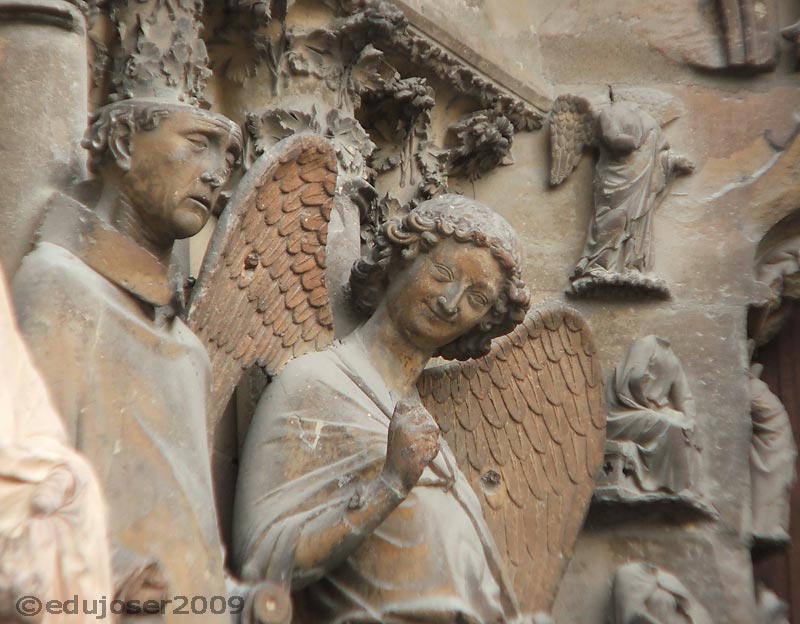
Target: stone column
43,113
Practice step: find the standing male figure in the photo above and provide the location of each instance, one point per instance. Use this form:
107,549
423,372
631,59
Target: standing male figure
129,378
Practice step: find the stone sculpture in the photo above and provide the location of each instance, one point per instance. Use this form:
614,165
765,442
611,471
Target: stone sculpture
337,78
652,450
52,524
771,609
99,310
346,481
772,463
44,64
633,170
792,33
778,272
644,594
265,267
748,34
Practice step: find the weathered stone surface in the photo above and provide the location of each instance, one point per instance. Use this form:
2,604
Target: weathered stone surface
43,114
430,85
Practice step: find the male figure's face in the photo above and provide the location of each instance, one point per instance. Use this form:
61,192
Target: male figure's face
176,172
444,294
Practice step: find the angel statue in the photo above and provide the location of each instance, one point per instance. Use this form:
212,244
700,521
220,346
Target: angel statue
633,171
376,488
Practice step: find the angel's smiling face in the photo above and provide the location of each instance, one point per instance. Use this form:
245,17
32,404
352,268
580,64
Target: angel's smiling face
444,293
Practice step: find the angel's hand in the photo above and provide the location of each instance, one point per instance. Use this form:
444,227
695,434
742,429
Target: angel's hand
413,444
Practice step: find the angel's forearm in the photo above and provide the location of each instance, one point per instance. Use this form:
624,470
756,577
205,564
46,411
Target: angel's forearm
328,539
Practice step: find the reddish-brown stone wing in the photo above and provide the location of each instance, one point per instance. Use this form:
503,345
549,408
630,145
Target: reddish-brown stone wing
261,295
527,426
571,130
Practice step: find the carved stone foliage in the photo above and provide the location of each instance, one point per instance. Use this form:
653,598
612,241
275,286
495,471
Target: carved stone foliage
483,142
772,464
447,66
335,79
159,50
652,454
311,78
634,168
352,143
641,593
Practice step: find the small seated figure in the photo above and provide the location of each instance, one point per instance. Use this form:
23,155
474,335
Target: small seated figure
651,444
346,490
642,593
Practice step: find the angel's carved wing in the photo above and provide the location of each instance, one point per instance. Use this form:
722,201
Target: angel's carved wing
572,124
261,295
527,426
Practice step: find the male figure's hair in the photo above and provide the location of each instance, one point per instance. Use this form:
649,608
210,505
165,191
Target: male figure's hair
399,241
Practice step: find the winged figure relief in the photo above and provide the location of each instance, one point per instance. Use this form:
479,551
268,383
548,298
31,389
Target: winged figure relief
634,168
261,298
527,426
526,422
572,129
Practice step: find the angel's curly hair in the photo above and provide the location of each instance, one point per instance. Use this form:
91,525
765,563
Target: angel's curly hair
138,115
400,241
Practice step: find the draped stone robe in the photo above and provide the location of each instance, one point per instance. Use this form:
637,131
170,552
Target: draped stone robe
627,187
131,382
651,414
53,542
772,463
320,433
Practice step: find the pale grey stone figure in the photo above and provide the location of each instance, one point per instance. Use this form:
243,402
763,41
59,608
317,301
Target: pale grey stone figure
634,167
644,594
773,454
53,541
130,380
651,424
771,609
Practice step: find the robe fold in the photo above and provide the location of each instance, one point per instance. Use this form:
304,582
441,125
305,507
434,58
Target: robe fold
320,433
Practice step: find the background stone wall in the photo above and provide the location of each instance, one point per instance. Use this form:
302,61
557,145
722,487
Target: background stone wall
706,235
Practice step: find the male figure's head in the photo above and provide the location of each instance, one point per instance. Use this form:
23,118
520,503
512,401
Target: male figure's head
622,127
168,161
449,274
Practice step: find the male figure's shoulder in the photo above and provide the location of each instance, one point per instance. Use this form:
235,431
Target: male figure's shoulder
52,280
